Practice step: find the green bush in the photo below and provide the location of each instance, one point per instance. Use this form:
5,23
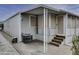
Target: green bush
75,45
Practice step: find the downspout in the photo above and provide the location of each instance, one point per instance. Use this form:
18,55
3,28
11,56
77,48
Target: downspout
36,24
75,25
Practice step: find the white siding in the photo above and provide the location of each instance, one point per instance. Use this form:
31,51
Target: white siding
25,26
77,26
40,27
12,26
52,27
71,30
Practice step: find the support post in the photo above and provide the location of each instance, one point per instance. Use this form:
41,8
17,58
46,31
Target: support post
49,25
45,29
19,28
29,24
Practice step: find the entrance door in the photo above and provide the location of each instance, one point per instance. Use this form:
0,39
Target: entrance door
60,25
33,26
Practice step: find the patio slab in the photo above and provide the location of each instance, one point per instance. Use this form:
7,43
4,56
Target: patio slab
36,48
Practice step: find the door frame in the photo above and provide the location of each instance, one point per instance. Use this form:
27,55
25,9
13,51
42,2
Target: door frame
57,24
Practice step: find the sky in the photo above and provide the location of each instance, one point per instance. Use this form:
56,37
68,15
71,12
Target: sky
7,10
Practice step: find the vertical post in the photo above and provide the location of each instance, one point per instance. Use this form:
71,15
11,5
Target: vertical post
29,24
45,29
49,23
20,28
36,24
75,25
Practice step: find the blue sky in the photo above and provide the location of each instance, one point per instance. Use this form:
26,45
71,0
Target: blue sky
6,10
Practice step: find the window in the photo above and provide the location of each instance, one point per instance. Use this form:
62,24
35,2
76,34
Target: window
33,20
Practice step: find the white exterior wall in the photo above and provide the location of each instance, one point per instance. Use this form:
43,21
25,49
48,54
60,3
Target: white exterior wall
6,27
25,24
40,34
13,26
52,27
70,31
25,27
77,26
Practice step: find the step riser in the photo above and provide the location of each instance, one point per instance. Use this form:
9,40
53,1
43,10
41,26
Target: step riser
60,36
56,41
54,44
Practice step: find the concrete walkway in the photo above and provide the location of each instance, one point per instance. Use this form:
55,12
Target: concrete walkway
6,48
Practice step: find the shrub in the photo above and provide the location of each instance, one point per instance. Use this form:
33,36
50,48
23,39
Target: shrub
75,45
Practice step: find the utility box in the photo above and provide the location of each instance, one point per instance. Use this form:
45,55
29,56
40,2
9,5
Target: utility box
27,38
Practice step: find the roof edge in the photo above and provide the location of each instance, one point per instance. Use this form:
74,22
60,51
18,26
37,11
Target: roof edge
11,16
44,6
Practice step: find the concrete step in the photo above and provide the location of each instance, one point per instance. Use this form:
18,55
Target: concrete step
61,36
54,43
58,41
58,38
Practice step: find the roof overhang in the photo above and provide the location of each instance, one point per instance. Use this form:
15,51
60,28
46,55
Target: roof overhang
51,10
39,10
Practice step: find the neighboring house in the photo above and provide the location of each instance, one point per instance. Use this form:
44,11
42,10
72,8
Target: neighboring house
44,23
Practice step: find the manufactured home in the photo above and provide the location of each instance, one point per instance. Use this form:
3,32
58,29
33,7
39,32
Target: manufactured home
50,25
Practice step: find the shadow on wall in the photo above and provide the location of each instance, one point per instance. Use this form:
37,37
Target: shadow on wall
1,26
